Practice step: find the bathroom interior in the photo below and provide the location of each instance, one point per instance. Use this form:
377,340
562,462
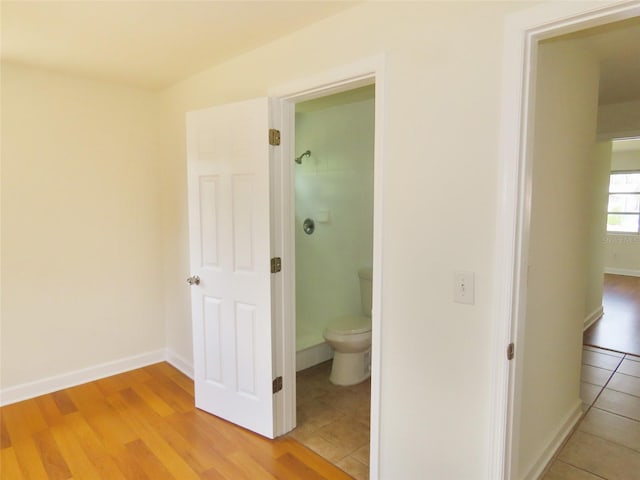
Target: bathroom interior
334,185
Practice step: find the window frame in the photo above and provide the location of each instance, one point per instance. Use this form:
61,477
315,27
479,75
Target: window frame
613,232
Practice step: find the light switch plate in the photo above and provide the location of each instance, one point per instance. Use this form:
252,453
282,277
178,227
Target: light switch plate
464,287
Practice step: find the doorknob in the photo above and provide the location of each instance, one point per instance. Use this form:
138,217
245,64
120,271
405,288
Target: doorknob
195,280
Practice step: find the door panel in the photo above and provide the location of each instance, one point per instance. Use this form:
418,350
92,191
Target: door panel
209,220
228,171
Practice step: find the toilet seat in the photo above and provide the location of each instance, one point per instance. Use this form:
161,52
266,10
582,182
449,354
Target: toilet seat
350,325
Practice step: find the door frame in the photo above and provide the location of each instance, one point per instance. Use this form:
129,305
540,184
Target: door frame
522,33
363,72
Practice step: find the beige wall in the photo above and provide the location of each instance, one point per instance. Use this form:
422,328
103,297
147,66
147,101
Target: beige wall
563,155
113,210
81,238
443,94
598,198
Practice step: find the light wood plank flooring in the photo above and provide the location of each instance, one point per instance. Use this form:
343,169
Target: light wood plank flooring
141,425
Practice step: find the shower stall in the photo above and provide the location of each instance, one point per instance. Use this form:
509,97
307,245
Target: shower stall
333,213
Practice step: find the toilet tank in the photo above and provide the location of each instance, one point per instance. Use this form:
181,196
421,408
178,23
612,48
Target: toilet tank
366,276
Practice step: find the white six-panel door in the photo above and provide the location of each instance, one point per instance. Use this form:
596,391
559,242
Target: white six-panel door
228,174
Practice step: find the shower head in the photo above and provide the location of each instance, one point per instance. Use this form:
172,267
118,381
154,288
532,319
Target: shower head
298,160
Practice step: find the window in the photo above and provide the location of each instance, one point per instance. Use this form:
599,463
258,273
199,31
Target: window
623,214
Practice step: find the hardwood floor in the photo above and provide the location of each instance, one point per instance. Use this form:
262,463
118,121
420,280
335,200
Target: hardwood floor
619,327
142,425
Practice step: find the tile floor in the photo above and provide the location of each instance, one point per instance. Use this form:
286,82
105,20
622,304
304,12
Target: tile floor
334,421
606,442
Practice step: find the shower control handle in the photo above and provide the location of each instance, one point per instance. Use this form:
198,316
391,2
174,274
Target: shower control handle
309,226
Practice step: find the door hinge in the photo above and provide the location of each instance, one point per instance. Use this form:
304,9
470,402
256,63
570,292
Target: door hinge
277,384
511,351
274,136
276,264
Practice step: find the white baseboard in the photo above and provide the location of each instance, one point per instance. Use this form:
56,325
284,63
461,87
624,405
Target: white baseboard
181,363
313,356
622,271
593,317
58,382
304,359
557,440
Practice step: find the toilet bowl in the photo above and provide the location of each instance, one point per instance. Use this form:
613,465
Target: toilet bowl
350,338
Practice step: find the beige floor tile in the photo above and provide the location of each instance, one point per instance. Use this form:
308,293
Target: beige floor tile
346,433
563,471
619,403
601,457
595,375
617,429
333,421
601,360
317,414
354,468
347,401
629,367
362,454
602,350
311,392
589,392
324,448
625,383
303,431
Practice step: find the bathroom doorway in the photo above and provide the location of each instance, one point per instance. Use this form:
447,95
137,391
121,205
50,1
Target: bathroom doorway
334,196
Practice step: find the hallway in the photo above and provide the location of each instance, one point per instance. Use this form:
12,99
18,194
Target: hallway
606,442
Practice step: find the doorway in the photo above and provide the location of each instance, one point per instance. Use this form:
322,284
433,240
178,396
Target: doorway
543,351
334,193
618,328
368,72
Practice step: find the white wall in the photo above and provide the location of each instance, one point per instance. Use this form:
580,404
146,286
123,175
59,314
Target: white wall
81,255
442,89
622,252
563,156
337,179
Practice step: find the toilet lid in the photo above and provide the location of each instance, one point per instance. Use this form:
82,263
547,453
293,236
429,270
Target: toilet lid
350,324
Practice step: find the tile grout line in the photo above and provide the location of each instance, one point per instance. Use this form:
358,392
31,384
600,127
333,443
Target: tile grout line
555,457
593,405
582,469
576,428
600,392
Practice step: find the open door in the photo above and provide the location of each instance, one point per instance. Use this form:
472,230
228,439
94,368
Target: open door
229,239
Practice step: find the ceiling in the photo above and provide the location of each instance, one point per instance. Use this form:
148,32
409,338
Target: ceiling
617,47
156,43
150,44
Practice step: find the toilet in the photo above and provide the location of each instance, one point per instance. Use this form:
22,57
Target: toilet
350,338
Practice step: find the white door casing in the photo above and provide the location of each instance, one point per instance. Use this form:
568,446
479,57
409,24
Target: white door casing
522,31
229,239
